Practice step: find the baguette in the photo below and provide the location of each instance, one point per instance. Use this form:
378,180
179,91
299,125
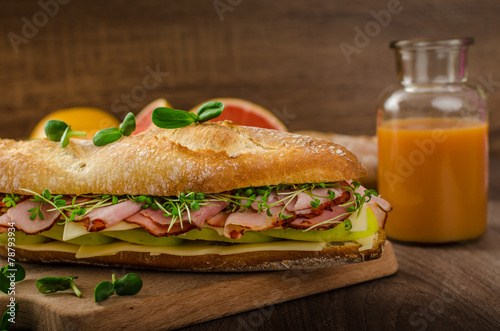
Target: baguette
205,158
364,147
214,159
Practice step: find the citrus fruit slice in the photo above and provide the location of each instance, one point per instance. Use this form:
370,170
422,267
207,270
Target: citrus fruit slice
89,120
247,113
143,118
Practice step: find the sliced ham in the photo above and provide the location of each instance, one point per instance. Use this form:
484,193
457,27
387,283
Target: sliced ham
21,217
198,217
219,220
156,215
378,205
238,222
304,200
4,223
380,214
272,198
157,230
336,213
5,219
382,203
101,218
290,204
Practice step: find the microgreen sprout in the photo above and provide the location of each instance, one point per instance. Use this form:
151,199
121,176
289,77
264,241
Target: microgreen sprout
56,130
54,284
103,290
168,118
273,199
46,197
10,200
174,206
110,135
73,209
129,284
12,272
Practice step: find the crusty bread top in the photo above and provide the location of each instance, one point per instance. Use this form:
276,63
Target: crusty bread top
208,157
364,147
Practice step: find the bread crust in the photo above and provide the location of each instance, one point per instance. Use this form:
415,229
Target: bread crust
334,254
364,147
208,157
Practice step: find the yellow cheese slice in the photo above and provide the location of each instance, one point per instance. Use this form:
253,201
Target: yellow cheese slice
366,242
359,220
52,246
193,248
122,226
74,230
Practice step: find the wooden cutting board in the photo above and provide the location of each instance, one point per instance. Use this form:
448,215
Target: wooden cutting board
175,299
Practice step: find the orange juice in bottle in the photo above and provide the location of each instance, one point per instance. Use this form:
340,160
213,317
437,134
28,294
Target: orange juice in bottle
433,146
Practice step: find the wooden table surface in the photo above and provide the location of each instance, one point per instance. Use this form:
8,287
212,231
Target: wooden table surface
437,287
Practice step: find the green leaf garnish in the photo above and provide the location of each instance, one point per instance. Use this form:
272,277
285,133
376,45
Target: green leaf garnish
56,130
168,118
103,290
54,284
110,135
348,225
10,200
107,136
128,125
65,137
4,283
210,110
16,269
129,284
315,203
5,323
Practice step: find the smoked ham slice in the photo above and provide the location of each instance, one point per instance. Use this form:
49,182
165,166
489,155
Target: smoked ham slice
21,217
104,217
198,217
154,228
335,214
238,222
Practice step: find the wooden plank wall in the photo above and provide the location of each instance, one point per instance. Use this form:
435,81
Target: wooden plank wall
282,54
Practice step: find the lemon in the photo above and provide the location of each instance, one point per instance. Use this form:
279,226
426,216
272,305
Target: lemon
85,119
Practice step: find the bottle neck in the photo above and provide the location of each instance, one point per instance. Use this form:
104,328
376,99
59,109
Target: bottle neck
431,65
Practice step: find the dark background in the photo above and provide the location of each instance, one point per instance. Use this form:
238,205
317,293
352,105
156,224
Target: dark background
284,55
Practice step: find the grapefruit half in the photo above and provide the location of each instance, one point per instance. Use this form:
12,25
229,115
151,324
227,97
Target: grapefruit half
143,118
247,113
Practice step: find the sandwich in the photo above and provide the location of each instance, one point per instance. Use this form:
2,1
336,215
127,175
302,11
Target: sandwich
204,197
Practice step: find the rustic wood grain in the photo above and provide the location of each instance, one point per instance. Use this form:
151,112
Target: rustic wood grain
170,300
284,55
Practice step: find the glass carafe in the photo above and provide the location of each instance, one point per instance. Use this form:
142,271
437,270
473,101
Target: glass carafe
433,145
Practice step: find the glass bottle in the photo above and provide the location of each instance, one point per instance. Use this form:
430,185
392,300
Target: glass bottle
433,145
